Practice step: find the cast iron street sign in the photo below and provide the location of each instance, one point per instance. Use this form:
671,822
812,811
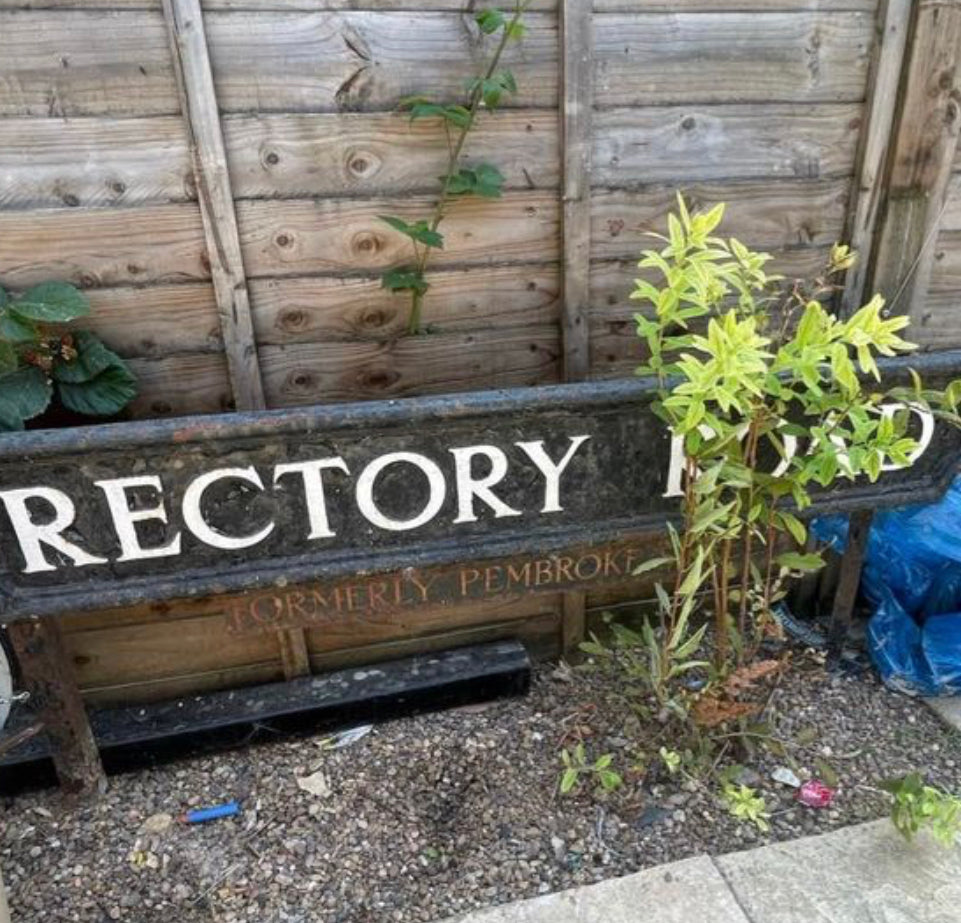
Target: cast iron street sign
365,507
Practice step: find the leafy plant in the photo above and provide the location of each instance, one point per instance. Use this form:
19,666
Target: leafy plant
577,766
486,90
671,760
744,803
39,359
770,396
915,806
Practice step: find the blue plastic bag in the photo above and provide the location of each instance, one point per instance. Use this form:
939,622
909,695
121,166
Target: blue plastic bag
912,579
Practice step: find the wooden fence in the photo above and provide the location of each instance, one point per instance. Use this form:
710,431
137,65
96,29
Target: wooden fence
212,177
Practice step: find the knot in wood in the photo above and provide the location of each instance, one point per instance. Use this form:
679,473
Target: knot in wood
379,379
283,239
300,380
366,243
362,164
375,318
294,319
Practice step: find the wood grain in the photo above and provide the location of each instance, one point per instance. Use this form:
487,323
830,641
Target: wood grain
313,309
103,161
922,150
103,246
771,215
93,162
893,25
156,321
85,63
298,236
362,60
728,6
198,100
714,142
658,58
178,386
376,153
312,373
577,38
310,6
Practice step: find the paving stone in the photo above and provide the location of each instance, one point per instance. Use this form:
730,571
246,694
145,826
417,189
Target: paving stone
864,874
682,892
948,708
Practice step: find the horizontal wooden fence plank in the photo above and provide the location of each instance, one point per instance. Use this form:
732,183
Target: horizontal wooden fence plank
309,6
156,321
165,243
298,236
103,246
85,63
726,6
951,216
714,142
648,58
336,61
118,63
361,153
104,161
770,214
178,386
299,310
93,162
311,373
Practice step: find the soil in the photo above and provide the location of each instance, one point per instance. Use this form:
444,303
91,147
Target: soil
431,816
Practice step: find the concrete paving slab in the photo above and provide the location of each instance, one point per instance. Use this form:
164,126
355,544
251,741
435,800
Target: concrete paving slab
690,891
864,874
948,708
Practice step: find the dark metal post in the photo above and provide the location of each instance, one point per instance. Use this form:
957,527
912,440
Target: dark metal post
49,676
849,579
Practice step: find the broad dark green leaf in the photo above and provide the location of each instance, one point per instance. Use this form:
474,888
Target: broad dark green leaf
24,394
103,396
52,303
457,115
92,359
4,297
419,231
8,358
490,181
16,329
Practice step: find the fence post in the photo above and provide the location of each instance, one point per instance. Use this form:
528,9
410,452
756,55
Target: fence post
198,99
921,152
577,95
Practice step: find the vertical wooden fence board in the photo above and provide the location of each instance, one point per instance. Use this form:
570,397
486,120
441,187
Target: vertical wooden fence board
578,101
188,43
922,151
893,25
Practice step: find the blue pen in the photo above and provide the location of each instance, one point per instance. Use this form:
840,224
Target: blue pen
200,815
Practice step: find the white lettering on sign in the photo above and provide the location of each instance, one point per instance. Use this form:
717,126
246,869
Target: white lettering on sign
310,471
551,470
194,518
125,519
368,477
33,535
469,487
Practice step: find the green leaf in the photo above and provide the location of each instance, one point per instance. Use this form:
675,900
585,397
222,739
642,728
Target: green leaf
97,383
516,31
419,231
794,526
490,181
24,394
405,278
651,564
490,20
8,358
4,297
805,563
17,330
568,780
52,303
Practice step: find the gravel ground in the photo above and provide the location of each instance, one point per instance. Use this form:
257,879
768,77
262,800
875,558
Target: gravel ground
431,816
